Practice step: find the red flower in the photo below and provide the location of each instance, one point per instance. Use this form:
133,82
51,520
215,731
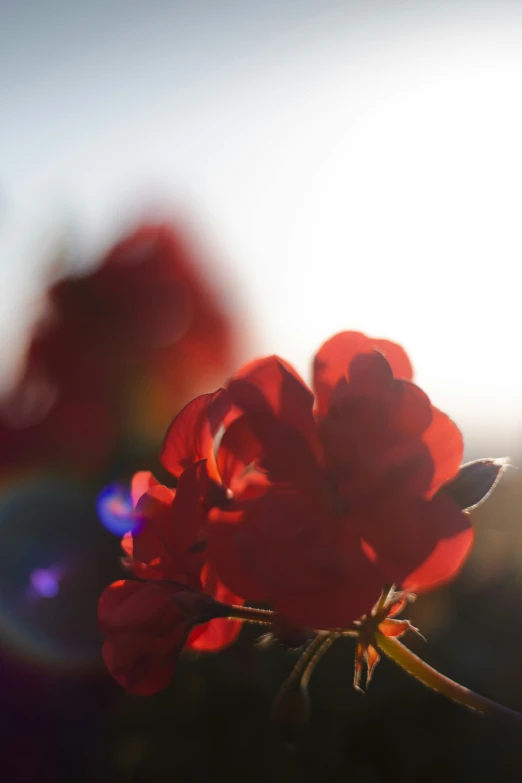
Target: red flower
146,631
147,295
148,622
329,505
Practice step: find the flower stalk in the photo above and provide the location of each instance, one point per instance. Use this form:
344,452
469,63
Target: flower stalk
291,709
433,679
248,614
394,650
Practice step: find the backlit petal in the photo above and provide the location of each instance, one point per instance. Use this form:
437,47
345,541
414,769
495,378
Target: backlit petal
444,441
190,437
396,357
418,545
336,354
238,449
140,484
217,633
214,635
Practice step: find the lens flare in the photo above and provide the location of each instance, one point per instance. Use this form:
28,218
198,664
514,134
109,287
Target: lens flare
55,560
115,510
45,582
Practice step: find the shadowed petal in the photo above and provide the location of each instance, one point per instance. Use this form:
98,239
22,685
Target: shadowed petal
285,548
142,664
174,528
223,538
137,606
271,389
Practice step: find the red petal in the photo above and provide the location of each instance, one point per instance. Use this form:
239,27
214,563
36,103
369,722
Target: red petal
397,606
258,449
271,530
146,631
219,633
335,356
444,562
359,663
238,449
271,388
174,528
397,628
372,659
150,545
286,456
404,408
150,570
127,544
137,606
142,664
215,635
396,357
444,441
190,437
368,457
188,523
370,375
413,413
287,549
140,484
213,586
223,537
419,545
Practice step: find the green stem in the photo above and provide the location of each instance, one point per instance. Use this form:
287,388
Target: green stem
307,656
323,643
438,682
249,615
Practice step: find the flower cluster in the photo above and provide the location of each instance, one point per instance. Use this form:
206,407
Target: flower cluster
149,620
314,502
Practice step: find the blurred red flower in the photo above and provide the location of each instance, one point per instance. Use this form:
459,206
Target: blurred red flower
329,504
148,622
120,348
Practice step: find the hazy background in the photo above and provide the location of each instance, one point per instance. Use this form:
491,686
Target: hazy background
352,164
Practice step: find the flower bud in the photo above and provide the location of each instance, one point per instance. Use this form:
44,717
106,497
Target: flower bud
474,482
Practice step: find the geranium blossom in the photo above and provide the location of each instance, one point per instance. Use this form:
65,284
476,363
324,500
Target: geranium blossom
148,622
312,503
332,496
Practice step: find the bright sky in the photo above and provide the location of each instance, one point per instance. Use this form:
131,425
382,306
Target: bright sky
352,164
